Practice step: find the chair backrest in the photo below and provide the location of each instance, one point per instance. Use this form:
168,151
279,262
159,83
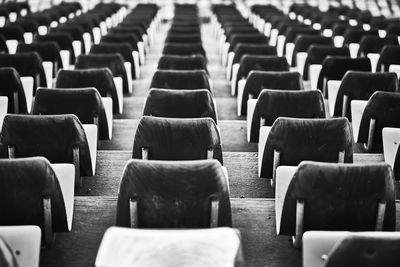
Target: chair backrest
354,35
114,62
183,38
173,194
184,49
125,49
121,38
304,41
263,63
272,104
352,208
101,79
48,51
175,62
171,103
177,139
374,44
85,103
383,108
246,38
216,246
63,39
251,48
390,54
317,53
335,67
51,136
324,140
26,64
359,85
12,31
10,84
366,249
258,80
180,79
24,184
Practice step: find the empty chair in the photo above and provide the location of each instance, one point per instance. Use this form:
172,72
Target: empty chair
291,141
358,85
181,79
258,80
389,55
85,103
216,246
12,88
353,36
59,138
177,139
184,49
183,38
298,54
371,47
241,49
272,104
101,79
310,199
340,248
35,192
180,194
381,111
50,54
335,67
64,40
13,33
171,103
315,56
131,57
175,62
255,62
114,62
27,65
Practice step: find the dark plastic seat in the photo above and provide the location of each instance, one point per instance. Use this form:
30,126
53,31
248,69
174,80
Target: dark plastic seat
314,190
181,194
26,64
12,32
59,138
262,63
63,39
389,55
121,38
101,79
180,104
48,51
175,62
304,41
180,79
272,104
381,111
85,103
184,49
177,139
317,53
124,49
357,85
114,62
335,67
76,32
183,38
374,44
11,87
295,140
246,38
26,184
258,80
357,250
354,35
255,49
